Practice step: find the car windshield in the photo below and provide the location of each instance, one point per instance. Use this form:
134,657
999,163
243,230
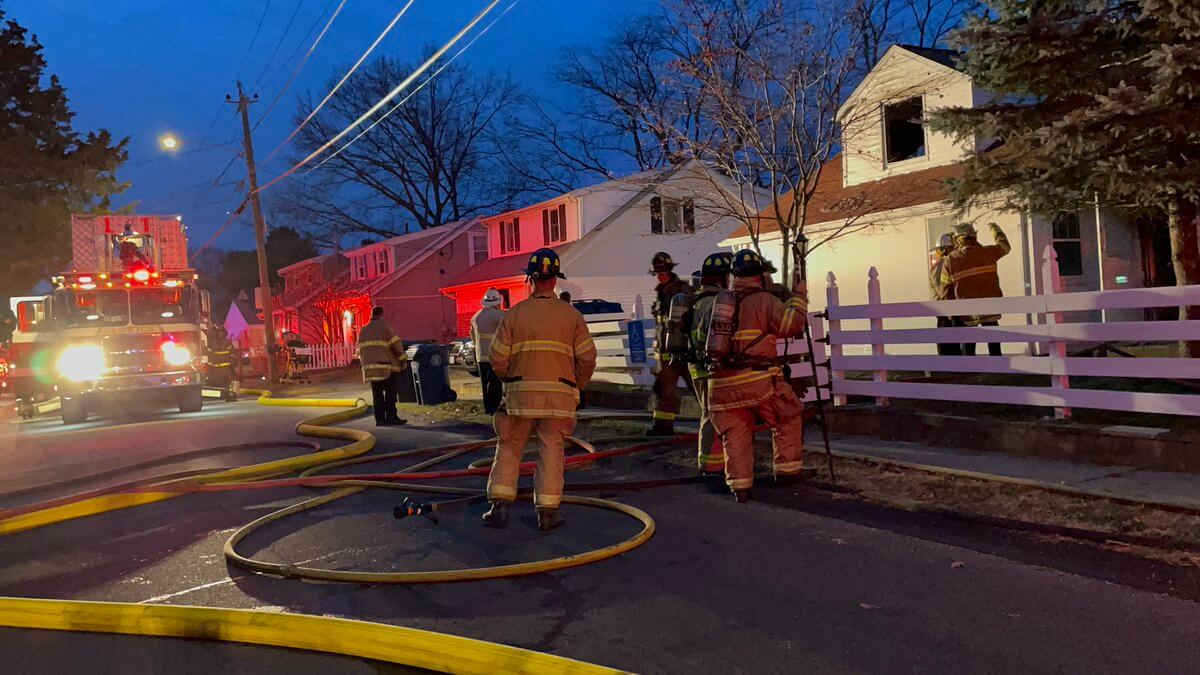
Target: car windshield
162,305
92,308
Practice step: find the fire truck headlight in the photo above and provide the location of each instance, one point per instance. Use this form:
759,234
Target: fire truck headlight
80,363
176,354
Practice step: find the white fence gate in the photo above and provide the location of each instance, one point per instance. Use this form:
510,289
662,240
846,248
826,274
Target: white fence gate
1050,337
325,357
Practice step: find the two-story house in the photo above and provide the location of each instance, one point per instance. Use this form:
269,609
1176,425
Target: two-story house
606,235
328,299
888,186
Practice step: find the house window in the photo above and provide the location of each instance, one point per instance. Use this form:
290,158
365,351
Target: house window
479,249
689,216
554,224
382,264
360,267
664,216
656,215
936,227
1064,229
510,235
904,129
505,299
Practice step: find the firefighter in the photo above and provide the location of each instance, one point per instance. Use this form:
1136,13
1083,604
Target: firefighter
483,331
747,384
666,390
971,271
544,353
381,353
941,288
714,277
219,372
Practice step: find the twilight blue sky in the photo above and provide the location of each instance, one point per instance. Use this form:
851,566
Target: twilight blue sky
144,67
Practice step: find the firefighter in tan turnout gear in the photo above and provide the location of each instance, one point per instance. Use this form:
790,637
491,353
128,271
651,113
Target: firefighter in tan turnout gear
670,369
970,272
483,331
543,352
747,384
381,353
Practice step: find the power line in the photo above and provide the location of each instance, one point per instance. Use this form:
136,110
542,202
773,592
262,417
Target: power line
390,95
279,43
300,65
421,86
345,77
300,44
254,39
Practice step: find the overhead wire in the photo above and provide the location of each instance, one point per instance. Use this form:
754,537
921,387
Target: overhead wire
390,95
299,66
299,45
282,36
421,86
254,39
370,49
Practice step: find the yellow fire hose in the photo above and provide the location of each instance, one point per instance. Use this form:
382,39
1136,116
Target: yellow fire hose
392,644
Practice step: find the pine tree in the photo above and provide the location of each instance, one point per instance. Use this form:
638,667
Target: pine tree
1093,99
47,169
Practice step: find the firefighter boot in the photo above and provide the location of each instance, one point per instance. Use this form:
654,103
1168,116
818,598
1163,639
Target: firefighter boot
497,516
741,496
548,519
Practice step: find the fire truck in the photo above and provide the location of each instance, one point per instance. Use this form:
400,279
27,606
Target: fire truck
126,322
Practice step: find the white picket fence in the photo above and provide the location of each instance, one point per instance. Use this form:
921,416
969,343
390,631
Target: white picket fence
1047,339
614,365
327,356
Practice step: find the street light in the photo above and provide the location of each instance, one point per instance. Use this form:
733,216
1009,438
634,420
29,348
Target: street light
168,142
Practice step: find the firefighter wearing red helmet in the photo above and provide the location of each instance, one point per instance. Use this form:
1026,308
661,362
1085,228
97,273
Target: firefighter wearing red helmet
670,369
747,384
544,354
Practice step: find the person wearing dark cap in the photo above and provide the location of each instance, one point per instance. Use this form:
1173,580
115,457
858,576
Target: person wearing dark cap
381,353
544,354
666,378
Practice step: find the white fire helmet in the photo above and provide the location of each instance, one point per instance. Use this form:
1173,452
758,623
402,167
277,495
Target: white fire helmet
492,298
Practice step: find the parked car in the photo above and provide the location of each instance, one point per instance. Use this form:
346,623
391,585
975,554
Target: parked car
456,352
588,308
468,357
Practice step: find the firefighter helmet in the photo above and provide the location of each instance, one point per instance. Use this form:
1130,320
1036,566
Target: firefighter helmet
492,298
544,264
717,264
661,262
748,263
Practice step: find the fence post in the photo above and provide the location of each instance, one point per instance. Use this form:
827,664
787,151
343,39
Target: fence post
834,327
1056,350
874,298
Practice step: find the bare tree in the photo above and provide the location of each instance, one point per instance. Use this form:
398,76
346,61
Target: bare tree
928,22
436,159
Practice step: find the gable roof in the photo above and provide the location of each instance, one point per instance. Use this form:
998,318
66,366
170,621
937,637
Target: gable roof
245,307
832,201
946,57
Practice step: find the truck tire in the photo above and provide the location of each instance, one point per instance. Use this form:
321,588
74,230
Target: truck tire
191,399
73,410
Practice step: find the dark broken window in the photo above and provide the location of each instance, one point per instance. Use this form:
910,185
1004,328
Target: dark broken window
904,129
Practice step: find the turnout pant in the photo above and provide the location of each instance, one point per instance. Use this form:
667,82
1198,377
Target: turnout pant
947,348
666,390
711,453
783,413
513,434
968,349
493,388
383,397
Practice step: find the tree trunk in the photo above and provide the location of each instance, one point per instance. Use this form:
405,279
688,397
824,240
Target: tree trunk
1185,257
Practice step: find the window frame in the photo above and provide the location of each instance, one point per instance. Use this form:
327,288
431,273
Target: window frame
473,241
656,215
1072,242
510,235
687,215
883,128
382,262
554,224
358,267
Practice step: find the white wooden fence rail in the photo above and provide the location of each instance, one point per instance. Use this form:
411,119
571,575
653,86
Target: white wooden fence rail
1051,335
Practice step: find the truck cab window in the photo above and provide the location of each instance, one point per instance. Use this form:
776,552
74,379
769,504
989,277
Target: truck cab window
95,308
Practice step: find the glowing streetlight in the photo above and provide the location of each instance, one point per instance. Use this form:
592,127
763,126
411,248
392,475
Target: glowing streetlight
168,142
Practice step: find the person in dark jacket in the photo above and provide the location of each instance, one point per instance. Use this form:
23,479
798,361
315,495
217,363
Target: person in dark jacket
971,268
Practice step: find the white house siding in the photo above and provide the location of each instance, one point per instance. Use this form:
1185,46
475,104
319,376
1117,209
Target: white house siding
613,262
900,75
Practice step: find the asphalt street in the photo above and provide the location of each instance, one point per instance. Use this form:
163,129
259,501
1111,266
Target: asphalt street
796,581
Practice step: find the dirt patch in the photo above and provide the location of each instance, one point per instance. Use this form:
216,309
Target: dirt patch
900,487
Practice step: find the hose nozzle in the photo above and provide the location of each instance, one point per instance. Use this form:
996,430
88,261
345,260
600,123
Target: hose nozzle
409,507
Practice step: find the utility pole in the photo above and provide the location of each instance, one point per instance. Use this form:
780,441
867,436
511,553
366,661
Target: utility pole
260,234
